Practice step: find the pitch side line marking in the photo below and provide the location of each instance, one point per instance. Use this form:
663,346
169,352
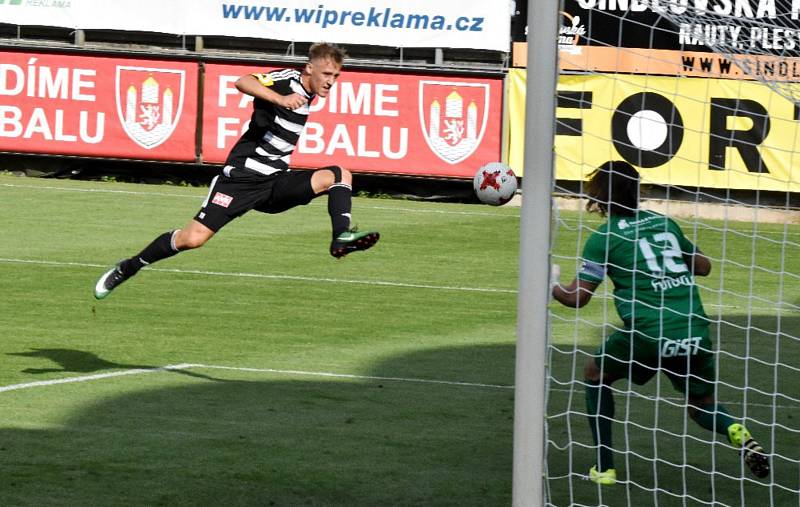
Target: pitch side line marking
188,366
101,191
86,378
389,208
326,280
338,280
352,376
379,283
445,212
201,197
272,277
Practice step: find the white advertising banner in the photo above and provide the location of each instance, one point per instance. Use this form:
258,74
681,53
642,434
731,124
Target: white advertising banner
473,24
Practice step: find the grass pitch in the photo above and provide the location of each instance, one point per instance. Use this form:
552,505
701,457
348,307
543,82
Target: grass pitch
384,378
380,379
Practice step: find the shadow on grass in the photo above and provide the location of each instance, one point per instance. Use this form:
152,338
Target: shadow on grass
72,361
302,441
79,361
283,441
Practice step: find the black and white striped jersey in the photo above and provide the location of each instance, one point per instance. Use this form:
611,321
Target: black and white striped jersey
267,145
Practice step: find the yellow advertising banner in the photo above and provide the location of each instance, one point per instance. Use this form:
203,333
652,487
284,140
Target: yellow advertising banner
697,132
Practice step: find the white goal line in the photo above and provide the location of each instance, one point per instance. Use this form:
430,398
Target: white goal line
195,366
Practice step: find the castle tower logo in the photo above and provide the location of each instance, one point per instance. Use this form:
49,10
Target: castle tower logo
453,117
149,103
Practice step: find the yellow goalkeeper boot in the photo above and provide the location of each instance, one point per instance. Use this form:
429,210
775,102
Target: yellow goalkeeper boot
754,455
606,478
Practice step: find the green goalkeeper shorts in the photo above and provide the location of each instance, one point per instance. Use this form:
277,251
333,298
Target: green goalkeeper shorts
688,361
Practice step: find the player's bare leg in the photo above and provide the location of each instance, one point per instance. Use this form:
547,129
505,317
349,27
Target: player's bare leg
193,235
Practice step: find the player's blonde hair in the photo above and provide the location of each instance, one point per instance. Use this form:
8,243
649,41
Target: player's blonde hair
326,51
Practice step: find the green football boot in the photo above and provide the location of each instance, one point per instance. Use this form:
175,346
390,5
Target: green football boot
353,241
109,281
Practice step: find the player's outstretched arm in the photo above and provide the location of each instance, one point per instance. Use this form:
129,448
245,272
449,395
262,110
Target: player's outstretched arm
576,294
250,85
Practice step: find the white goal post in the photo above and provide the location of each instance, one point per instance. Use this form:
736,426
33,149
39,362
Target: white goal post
531,371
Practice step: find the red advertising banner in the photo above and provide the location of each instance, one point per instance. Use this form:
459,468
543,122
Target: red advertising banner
98,106
374,122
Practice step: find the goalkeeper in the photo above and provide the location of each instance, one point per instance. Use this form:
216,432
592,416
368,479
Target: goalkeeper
652,265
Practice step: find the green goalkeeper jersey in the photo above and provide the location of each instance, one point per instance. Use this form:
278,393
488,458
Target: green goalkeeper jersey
654,289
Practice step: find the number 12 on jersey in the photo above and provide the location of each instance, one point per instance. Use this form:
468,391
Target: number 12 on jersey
671,253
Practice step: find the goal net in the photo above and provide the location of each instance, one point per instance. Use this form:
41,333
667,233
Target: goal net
703,99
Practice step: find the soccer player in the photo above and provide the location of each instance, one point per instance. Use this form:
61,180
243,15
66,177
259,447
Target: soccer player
652,265
256,175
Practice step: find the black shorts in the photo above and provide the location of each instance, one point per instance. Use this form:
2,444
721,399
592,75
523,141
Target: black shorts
233,194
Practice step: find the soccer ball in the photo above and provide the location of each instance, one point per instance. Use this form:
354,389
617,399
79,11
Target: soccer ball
495,183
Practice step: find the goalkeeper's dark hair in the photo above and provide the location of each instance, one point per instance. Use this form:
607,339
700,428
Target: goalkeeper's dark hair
613,189
327,51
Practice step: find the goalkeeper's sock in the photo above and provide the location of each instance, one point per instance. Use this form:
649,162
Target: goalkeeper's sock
713,417
161,248
340,204
600,412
